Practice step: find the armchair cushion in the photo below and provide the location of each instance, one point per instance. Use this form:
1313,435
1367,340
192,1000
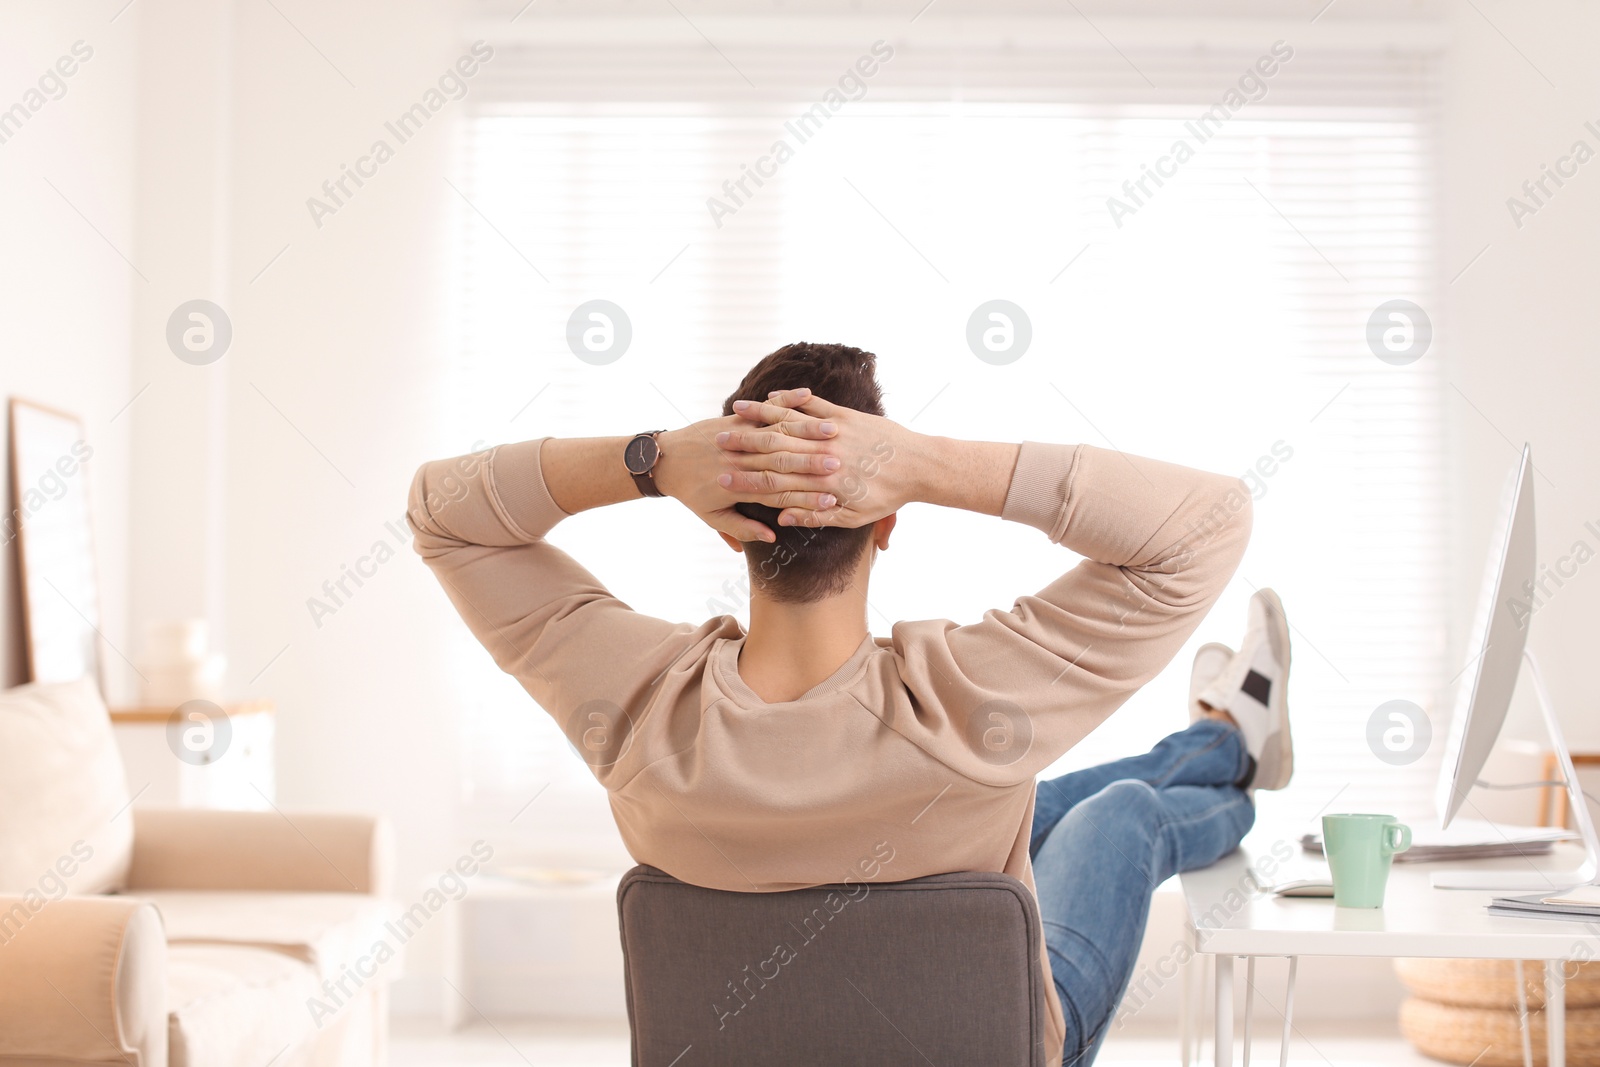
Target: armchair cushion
330,932
83,980
235,1007
191,848
62,793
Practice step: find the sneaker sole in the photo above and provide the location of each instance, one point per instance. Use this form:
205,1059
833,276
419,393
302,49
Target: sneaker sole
1276,766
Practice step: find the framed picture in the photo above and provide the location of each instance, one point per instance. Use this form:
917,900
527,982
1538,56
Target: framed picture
55,544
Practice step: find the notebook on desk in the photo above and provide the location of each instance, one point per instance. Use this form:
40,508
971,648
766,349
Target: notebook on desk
1470,839
1580,904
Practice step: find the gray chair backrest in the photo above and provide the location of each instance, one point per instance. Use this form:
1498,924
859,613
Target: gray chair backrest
942,970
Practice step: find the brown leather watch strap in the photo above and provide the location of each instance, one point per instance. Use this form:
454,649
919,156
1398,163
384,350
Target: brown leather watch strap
647,484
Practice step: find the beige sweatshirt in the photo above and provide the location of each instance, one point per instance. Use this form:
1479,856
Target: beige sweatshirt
918,755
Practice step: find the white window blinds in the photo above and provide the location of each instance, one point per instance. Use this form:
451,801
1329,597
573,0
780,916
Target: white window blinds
1221,324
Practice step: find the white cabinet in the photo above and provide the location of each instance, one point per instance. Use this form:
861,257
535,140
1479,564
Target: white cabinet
517,949
216,758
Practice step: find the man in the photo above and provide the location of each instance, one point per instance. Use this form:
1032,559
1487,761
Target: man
805,751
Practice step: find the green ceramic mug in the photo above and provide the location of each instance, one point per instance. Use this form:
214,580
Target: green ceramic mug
1360,850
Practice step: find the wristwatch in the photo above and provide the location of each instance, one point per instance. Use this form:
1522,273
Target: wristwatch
640,458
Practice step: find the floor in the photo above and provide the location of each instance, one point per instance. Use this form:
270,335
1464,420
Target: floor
418,1044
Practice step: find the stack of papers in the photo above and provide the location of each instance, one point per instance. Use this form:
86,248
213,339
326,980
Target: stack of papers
1470,839
1570,905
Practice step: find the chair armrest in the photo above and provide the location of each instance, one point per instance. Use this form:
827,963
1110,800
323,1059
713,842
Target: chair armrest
195,848
82,980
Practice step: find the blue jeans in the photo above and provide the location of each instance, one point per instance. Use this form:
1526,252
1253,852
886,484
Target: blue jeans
1105,837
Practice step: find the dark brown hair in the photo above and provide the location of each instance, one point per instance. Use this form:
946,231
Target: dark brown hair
808,563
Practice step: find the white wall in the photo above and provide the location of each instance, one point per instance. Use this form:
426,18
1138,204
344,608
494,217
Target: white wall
1521,324
182,197
66,292
266,474
332,403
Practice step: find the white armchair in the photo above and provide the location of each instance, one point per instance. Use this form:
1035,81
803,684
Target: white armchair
233,939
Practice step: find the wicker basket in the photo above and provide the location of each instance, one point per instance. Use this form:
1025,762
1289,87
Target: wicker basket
1465,1011
1489,1038
1493,983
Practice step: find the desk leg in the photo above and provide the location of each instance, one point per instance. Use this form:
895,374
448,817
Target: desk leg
1186,999
1555,1013
1523,1027
452,1009
1249,1003
1224,1028
1288,1013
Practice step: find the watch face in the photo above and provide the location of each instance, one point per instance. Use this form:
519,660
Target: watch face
640,455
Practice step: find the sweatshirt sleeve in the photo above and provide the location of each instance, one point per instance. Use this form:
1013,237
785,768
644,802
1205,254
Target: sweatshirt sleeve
1004,697
586,657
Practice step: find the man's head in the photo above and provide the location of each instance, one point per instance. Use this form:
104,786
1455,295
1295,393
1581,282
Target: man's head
806,563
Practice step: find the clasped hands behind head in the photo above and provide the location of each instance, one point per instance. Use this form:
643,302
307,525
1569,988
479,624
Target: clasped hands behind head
816,463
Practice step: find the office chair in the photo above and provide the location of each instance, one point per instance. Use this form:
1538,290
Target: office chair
941,970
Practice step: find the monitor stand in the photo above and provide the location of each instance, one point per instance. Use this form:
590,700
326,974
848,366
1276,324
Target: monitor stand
1535,879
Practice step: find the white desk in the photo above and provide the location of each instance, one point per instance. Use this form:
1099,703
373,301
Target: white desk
1229,918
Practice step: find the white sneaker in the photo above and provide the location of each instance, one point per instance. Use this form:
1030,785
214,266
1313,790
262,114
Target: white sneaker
1209,662
1254,689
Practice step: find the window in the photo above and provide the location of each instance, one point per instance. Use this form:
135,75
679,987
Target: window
1221,323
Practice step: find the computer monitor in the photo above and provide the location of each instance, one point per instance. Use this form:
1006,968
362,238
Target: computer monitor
1498,644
